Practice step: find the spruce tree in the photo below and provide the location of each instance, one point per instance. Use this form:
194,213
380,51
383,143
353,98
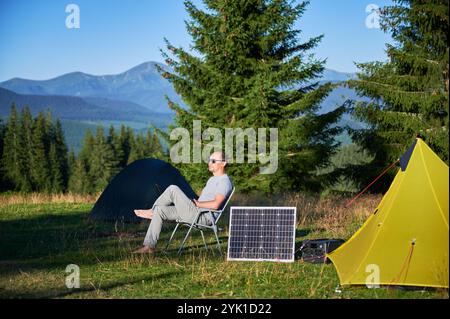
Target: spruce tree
80,181
148,144
3,181
56,178
102,161
118,156
25,151
2,135
41,148
58,159
10,158
126,141
153,147
83,169
137,149
409,92
71,161
251,70
123,148
156,147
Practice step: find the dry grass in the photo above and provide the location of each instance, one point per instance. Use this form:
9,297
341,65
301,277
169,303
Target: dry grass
41,198
328,214
340,221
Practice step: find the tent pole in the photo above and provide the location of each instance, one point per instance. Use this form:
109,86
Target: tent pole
365,189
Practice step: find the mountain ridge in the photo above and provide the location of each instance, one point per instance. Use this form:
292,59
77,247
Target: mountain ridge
78,108
141,84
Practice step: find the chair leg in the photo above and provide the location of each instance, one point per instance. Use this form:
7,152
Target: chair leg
217,238
171,236
184,240
203,237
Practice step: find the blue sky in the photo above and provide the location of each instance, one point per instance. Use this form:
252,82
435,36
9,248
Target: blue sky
115,35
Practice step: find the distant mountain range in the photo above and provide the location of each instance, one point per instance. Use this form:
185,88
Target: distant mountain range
142,85
135,97
136,91
76,108
335,76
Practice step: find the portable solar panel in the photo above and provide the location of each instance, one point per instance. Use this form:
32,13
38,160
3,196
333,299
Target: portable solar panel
262,233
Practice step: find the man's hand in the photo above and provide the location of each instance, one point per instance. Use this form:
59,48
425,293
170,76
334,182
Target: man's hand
211,204
196,202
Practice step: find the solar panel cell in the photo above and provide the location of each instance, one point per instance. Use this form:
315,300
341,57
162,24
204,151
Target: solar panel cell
262,233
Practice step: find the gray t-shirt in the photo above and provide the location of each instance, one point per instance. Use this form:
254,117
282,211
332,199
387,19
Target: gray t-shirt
216,185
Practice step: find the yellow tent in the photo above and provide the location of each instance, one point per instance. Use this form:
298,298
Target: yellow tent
405,240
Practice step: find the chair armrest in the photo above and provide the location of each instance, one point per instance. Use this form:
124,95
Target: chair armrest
205,210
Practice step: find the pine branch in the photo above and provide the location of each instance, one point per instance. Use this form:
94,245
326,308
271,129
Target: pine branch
392,86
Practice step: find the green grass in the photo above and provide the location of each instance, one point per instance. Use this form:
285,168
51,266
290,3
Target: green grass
38,241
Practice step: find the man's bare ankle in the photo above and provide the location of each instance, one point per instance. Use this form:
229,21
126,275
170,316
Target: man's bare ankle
144,250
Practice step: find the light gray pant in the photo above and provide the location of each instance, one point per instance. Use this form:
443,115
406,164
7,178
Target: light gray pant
172,205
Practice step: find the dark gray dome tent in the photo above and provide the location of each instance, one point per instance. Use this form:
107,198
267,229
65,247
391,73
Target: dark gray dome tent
137,186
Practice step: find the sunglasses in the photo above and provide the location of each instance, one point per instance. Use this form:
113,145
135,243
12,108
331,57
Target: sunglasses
212,160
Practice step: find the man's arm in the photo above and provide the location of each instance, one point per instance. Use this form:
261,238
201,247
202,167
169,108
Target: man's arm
211,204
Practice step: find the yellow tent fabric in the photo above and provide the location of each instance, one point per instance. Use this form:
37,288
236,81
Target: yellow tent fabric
406,239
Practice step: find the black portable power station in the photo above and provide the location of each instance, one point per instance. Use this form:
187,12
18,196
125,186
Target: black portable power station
315,250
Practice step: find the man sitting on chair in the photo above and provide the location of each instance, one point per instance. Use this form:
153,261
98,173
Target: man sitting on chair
173,204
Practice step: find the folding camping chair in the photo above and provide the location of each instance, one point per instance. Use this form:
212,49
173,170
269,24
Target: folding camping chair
215,217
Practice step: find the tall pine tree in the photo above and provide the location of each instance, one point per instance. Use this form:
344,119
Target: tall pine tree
113,141
102,162
10,159
137,148
71,162
409,92
25,151
3,185
58,158
156,147
126,142
81,180
153,147
252,71
41,149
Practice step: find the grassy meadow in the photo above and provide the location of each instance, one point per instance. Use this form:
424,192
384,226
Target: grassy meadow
41,234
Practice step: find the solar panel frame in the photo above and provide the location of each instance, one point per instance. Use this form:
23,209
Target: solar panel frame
292,233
